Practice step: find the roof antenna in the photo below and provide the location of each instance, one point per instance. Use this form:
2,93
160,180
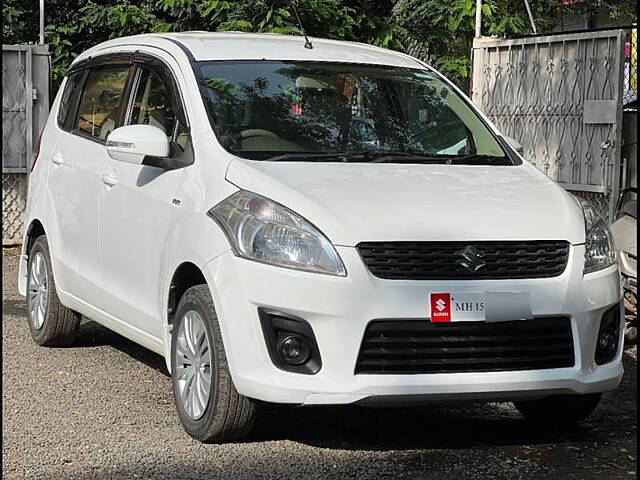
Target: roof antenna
307,42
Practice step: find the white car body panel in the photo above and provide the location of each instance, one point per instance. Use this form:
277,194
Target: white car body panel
135,216
339,308
115,249
37,187
72,212
391,202
124,327
244,46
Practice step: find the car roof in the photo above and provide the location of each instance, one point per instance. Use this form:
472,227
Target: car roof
203,46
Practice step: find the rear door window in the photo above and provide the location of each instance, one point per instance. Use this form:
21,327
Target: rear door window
100,110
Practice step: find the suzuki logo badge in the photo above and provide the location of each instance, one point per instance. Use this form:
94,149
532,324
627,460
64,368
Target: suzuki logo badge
471,259
441,305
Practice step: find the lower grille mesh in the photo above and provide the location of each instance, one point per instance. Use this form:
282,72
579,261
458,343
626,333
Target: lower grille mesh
419,346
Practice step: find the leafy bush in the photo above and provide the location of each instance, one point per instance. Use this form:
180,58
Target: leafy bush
437,31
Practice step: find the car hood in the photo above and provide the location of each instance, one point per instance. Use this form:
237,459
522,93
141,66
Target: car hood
356,202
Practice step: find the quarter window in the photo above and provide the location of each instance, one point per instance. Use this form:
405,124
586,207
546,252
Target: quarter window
68,95
101,104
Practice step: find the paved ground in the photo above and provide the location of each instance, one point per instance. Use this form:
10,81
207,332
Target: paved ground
104,409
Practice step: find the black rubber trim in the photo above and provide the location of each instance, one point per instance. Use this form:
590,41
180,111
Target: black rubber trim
166,163
86,136
125,58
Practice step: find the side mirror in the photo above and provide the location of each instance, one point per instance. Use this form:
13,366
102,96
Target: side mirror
515,145
132,143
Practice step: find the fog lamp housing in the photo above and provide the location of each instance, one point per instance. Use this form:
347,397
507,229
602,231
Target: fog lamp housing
290,342
608,341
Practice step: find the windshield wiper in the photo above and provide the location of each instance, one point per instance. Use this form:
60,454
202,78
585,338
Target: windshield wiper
305,156
376,156
478,159
406,157
474,159
373,156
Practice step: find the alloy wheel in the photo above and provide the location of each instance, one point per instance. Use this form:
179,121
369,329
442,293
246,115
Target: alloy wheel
38,290
193,365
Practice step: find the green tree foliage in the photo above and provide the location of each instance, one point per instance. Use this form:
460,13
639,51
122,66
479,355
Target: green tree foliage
437,31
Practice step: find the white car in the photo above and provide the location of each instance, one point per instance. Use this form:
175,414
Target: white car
207,196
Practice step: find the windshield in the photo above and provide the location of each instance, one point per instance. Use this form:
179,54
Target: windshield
274,110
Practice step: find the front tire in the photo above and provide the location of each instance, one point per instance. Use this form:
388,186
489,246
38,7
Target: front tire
51,323
210,408
563,410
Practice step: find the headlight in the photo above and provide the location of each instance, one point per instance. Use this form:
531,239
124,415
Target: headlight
265,231
598,246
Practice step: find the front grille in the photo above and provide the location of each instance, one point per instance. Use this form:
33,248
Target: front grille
419,346
446,260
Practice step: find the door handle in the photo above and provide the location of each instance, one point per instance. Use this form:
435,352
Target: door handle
109,180
57,159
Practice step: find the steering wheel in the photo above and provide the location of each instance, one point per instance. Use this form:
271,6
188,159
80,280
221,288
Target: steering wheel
254,132
107,126
431,127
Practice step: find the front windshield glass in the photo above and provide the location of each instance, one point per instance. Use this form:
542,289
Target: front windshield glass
264,109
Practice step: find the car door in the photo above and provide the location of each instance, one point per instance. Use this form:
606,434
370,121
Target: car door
75,173
136,206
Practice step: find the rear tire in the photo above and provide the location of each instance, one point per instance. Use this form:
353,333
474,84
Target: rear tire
210,408
563,410
51,323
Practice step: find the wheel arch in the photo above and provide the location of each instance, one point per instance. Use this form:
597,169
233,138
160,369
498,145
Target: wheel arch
185,276
32,232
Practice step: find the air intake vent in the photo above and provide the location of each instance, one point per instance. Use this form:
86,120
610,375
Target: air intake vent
419,346
465,260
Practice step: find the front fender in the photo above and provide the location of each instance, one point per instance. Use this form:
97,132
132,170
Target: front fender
194,238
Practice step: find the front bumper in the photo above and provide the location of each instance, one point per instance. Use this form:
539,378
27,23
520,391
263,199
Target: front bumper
339,308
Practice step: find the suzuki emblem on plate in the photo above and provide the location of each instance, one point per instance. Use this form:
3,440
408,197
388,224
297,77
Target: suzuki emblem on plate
471,258
440,307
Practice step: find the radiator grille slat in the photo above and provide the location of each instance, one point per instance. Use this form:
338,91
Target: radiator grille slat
443,260
419,346
458,352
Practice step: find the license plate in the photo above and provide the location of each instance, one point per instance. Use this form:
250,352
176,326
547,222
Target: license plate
456,307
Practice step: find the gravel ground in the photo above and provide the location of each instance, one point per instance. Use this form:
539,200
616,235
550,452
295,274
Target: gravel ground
104,409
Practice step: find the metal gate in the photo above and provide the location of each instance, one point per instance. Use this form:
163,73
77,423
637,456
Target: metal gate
561,97
25,107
